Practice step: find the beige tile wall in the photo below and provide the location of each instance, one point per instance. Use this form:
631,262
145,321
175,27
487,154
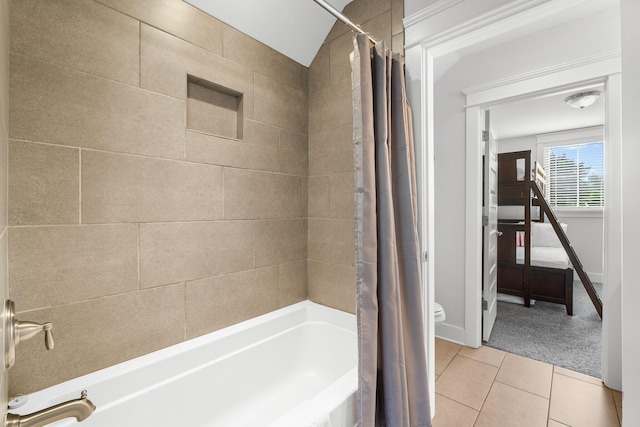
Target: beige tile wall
4,138
331,273
126,230
119,215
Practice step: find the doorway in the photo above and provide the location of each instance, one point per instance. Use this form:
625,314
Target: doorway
611,85
544,125
423,47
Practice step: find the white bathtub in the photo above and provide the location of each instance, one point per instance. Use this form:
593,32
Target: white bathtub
249,374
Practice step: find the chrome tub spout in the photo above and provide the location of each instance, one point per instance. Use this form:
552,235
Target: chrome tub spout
80,409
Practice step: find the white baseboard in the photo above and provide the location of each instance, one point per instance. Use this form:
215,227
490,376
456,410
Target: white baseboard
451,333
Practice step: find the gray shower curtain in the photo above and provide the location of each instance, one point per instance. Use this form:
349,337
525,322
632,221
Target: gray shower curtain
392,383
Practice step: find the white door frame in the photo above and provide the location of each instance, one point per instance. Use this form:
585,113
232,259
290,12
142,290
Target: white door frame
602,69
563,76
422,45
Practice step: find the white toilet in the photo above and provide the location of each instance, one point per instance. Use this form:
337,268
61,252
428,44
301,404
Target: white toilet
438,313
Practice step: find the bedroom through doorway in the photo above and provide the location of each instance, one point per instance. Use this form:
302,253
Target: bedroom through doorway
544,312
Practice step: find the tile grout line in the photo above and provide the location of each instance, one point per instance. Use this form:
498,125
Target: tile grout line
138,255
91,74
139,53
612,400
150,157
280,299
523,390
484,401
450,360
79,186
460,403
155,157
480,361
579,379
279,147
615,407
493,382
185,310
222,187
557,422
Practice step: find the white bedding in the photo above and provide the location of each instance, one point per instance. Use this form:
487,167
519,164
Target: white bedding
543,234
543,256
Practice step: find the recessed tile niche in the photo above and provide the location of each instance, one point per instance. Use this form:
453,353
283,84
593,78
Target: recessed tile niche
213,109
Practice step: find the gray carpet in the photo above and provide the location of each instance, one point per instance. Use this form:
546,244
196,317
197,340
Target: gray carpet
546,333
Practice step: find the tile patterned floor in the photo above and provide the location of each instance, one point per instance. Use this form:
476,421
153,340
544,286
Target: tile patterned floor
485,387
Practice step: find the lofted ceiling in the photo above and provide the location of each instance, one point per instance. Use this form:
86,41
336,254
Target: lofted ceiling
295,28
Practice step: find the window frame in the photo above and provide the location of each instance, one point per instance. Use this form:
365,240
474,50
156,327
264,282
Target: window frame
572,137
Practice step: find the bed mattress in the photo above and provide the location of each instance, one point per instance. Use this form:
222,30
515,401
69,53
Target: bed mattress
542,256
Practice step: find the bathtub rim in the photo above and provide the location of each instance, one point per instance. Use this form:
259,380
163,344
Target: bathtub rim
312,312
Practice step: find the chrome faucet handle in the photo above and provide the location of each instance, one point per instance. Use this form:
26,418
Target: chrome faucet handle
26,330
17,331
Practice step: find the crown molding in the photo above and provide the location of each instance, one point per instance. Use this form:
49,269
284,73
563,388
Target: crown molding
588,71
606,56
417,26
491,23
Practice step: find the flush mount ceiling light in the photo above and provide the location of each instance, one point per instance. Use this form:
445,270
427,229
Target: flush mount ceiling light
583,99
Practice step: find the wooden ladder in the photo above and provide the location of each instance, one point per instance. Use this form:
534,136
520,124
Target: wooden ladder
586,282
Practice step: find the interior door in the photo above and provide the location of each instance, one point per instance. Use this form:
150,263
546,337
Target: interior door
490,230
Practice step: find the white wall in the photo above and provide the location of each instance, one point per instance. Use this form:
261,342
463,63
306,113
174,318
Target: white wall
630,10
521,143
586,237
575,40
413,6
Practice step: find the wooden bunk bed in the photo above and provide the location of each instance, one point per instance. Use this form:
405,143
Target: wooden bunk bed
525,269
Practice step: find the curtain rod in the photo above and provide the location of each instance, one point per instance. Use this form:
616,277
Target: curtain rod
335,12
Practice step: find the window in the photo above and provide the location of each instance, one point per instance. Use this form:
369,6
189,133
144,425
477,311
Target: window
575,175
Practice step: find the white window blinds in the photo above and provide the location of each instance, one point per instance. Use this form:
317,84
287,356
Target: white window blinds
575,175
